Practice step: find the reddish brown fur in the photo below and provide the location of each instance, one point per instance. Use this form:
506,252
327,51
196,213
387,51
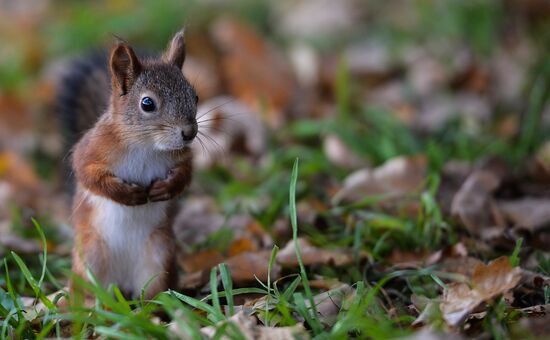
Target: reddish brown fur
94,160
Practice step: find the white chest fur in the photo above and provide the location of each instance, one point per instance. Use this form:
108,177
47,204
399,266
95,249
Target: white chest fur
143,165
126,229
126,232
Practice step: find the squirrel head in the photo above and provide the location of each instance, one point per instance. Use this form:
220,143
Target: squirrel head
151,99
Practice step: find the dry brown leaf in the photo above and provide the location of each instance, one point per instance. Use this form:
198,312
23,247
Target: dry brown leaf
19,245
539,166
312,255
246,267
253,70
202,260
488,281
17,171
340,154
16,124
528,213
427,333
396,177
536,322
204,76
330,303
242,245
252,331
412,259
195,280
473,203
459,265
315,18
199,217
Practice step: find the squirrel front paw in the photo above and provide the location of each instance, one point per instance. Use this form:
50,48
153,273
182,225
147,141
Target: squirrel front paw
129,194
168,188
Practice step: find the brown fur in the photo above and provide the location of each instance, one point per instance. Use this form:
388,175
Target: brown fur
106,148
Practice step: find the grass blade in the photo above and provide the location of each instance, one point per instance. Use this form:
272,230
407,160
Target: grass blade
45,250
215,297
272,258
315,324
23,327
198,304
238,291
228,287
32,282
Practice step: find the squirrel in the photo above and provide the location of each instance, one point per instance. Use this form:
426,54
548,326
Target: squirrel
131,165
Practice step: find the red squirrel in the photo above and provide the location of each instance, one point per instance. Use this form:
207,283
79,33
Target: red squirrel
129,169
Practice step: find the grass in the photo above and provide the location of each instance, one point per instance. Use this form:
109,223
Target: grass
134,319
115,317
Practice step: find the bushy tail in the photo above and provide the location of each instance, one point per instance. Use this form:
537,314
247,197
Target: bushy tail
82,95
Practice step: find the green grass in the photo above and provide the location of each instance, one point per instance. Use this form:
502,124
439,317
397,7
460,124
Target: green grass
116,317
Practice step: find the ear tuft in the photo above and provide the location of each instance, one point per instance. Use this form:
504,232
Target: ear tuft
175,53
125,67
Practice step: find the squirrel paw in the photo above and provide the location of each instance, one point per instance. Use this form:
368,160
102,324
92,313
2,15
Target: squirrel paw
165,189
130,194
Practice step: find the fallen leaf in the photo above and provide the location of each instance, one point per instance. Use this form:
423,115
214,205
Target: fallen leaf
340,154
528,213
312,255
195,280
199,218
202,260
17,171
459,265
429,313
19,245
204,77
473,204
246,267
254,70
398,176
16,124
330,303
412,259
427,333
488,281
426,74
242,245
250,330
315,18
536,322
539,165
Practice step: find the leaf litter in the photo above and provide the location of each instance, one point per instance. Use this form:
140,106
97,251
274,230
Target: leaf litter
372,200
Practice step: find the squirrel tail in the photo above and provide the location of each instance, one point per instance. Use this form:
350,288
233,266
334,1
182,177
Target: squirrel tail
83,92
82,95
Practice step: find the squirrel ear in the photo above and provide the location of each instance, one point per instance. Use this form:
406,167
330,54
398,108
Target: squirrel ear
175,54
125,67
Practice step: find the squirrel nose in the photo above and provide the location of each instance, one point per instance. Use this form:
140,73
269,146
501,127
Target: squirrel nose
189,132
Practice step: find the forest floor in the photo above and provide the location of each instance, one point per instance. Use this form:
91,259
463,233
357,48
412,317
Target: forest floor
365,171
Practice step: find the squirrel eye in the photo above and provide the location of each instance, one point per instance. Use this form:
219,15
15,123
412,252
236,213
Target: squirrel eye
147,104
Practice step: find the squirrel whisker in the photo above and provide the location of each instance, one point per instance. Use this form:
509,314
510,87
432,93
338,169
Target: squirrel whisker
221,149
215,107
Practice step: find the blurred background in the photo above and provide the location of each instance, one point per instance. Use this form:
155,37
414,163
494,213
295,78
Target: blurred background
344,85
